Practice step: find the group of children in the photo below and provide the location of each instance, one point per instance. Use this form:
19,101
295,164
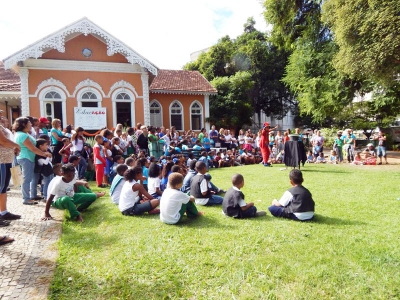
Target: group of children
180,196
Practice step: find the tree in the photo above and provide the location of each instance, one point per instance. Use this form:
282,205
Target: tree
212,63
320,90
232,106
368,36
251,52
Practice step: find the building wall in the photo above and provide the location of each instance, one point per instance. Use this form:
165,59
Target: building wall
186,101
74,47
72,78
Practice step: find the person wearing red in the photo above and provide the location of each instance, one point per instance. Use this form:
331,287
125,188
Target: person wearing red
264,143
99,160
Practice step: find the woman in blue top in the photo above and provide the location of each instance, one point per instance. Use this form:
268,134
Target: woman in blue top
26,159
56,140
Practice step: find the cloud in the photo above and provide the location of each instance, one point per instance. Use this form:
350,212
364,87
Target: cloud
165,32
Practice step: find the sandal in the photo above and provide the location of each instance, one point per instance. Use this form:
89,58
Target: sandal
30,202
5,240
4,223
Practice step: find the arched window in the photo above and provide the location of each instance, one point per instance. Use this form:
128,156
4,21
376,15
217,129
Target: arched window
52,95
176,114
123,107
123,96
155,113
89,97
52,103
196,116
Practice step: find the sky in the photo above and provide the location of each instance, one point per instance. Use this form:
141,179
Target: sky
164,32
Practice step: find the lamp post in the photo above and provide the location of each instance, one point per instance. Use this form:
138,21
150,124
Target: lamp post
379,120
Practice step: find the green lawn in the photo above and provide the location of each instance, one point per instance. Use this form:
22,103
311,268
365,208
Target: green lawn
350,251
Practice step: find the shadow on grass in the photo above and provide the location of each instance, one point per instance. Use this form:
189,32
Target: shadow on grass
320,219
324,171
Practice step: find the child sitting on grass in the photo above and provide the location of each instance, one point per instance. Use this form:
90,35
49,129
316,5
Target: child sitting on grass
320,158
62,193
117,183
296,203
199,187
333,158
234,204
129,201
310,157
154,181
174,203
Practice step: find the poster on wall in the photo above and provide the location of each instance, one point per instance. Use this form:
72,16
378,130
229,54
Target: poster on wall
90,118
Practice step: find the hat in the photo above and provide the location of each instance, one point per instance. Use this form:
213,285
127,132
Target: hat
266,124
44,120
370,145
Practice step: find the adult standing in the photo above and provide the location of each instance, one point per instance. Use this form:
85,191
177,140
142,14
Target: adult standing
349,141
279,141
8,150
56,140
382,147
318,143
213,136
264,143
78,141
26,158
143,141
42,126
201,135
174,135
221,139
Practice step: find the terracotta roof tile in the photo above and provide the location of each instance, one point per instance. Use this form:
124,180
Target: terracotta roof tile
181,81
9,80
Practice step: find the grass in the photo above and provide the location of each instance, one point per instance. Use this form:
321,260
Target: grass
350,251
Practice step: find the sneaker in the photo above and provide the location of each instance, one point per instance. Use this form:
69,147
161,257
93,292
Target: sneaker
10,216
4,223
261,213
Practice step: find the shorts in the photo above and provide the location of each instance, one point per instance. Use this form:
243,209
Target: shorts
138,209
381,151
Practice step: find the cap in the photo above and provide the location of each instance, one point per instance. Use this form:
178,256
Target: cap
44,120
370,145
266,124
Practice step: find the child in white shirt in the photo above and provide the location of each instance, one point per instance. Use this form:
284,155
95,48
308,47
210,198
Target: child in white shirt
174,203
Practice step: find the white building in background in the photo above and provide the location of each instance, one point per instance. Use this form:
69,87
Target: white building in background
286,123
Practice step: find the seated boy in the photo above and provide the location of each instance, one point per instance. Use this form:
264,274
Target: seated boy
296,203
199,187
117,183
234,204
174,203
62,194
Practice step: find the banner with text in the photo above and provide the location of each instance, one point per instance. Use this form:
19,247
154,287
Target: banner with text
90,118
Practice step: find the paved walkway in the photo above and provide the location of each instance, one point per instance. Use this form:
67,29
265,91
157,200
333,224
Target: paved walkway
28,263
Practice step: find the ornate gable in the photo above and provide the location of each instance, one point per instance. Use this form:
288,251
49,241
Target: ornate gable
84,26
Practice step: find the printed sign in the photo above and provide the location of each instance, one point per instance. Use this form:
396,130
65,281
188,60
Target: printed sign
90,118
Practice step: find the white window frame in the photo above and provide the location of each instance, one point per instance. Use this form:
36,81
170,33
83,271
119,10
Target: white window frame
202,114
114,101
91,90
63,100
182,115
161,110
